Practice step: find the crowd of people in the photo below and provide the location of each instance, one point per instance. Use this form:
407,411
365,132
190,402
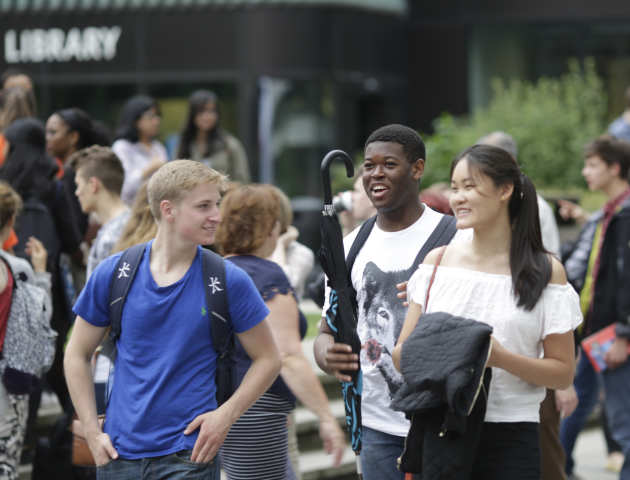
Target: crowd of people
140,265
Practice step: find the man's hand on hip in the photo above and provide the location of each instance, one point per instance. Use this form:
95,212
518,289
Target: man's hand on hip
213,428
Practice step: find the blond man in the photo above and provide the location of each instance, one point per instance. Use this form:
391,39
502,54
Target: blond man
162,417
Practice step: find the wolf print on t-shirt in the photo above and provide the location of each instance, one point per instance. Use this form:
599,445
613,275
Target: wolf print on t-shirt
381,316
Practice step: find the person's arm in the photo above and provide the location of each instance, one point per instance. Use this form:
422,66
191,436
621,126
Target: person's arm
411,320
214,426
298,373
557,368
82,344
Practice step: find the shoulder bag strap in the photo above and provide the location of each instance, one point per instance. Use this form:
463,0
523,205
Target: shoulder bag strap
437,263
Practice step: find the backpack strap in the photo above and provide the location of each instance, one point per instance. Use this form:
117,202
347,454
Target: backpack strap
359,241
213,267
441,235
122,279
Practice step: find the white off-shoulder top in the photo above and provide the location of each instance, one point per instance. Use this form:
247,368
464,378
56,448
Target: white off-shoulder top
488,297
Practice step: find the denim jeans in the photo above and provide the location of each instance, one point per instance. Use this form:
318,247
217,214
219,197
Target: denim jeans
173,466
617,390
587,385
379,455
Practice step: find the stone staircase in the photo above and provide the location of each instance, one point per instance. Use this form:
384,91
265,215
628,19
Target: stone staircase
315,464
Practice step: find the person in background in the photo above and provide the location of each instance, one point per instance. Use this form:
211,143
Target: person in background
31,173
503,277
68,131
141,226
247,236
99,179
355,206
15,103
12,77
204,140
296,259
620,127
559,403
136,143
597,268
14,408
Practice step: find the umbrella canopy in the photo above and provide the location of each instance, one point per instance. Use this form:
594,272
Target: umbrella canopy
341,315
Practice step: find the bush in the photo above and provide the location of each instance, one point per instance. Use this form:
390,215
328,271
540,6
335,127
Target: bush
551,120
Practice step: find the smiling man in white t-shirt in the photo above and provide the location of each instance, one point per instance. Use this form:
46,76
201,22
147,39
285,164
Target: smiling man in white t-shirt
393,166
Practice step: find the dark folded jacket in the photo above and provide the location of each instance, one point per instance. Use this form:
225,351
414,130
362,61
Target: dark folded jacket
443,363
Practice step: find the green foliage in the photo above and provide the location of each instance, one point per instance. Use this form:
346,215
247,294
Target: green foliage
551,121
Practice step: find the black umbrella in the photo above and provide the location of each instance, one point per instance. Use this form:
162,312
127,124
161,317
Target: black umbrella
341,315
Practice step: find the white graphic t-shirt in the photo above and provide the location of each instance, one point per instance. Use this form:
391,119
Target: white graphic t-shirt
385,260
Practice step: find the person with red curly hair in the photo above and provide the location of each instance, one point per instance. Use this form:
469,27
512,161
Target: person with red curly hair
247,235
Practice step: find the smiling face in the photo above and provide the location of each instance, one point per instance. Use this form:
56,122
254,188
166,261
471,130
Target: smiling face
389,178
475,199
195,217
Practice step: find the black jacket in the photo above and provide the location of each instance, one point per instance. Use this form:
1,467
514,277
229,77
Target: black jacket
443,363
611,301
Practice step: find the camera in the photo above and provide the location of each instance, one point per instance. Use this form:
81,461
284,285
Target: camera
343,202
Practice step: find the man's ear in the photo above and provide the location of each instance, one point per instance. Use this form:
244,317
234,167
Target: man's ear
94,184
167,210
417,169
615,169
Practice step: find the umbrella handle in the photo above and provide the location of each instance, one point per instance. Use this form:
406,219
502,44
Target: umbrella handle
325,169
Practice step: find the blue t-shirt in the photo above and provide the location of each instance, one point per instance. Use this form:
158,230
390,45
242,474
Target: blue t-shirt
164,370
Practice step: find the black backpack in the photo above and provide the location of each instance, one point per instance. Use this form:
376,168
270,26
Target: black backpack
213,268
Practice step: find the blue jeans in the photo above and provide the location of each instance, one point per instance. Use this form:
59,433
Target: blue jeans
173,466
617,390
587,385
379,455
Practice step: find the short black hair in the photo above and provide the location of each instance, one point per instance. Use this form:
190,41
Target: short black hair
408,138
612,151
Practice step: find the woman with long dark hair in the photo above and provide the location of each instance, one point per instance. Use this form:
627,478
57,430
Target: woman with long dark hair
503,277
136,142
67,131
203,139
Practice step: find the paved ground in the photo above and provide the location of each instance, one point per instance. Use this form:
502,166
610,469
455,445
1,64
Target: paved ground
590,456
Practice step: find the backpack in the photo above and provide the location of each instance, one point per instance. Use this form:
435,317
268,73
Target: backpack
441,235
213,270
29,344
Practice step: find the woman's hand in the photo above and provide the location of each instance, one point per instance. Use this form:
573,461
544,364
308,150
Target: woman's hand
36,250
333,438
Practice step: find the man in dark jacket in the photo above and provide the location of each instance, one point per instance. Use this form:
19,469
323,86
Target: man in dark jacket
602,275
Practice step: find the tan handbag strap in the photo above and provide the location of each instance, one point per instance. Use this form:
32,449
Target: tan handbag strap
437,263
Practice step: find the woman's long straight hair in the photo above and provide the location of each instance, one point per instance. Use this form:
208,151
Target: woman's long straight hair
530,266
215,141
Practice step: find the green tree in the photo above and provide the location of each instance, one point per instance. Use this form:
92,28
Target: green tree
551,120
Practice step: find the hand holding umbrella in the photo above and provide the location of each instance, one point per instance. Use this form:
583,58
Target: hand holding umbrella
341,315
